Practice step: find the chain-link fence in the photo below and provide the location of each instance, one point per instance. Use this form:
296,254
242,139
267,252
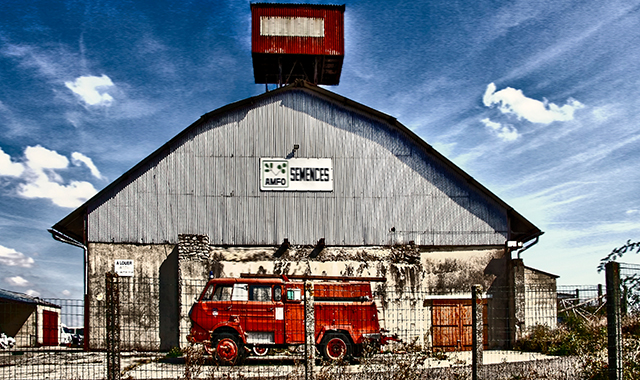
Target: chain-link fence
264,326
44,339
624,321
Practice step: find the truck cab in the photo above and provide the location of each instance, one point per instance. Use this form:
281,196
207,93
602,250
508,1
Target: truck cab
235,315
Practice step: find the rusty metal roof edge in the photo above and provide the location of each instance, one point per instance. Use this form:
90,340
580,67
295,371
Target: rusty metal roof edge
24,298
531,233
340,7
542,272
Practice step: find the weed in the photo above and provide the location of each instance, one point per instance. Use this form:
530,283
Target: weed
175,352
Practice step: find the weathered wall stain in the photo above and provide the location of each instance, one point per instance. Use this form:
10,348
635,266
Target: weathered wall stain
412,272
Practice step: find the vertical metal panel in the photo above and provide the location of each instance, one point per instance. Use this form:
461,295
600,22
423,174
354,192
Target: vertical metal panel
207,183
332,43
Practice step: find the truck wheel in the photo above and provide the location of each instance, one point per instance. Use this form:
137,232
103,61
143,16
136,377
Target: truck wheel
228,349
336,346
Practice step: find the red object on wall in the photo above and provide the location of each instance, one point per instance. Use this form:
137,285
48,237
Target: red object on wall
49,328
292,41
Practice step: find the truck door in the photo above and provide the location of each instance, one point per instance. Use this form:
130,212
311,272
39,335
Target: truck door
294,314
216,306
264,314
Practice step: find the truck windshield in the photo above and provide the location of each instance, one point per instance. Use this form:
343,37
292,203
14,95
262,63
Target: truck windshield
222,293
208,293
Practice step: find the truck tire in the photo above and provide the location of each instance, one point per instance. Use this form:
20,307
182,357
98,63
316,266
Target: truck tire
335,347
228,349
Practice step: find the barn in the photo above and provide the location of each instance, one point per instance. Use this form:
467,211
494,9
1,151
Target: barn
391,206
299,180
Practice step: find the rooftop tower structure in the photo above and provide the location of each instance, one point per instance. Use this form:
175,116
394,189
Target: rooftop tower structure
297,41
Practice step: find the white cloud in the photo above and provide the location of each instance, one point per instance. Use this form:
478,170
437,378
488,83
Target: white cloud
11,257
17,281
43,158
79,158
506,132
9,168
66,293
72,195
87,87
632,212
39,178
33,293
512,101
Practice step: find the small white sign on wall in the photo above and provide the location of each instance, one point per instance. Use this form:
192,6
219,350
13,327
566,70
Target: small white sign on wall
124,268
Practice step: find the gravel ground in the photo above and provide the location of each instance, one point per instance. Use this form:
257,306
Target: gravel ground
77,365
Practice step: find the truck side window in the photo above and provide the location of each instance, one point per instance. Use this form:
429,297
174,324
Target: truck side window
277,293
240,292
261,293
294,294
222,293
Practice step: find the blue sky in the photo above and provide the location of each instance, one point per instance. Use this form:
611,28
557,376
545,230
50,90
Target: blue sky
537,100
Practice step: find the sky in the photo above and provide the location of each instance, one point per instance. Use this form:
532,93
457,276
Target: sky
537,100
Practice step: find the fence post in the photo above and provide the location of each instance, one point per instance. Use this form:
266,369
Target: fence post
310,331
599,294
112,326
477,339
614,335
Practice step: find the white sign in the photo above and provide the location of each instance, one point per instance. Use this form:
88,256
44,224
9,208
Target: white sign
292,26
296,174
124,268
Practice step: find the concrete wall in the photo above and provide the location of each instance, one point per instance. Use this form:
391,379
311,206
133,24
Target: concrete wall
534,300
148,300
168,278
413,274
541,304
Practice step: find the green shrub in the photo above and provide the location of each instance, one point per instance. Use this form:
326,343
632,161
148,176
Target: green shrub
575,336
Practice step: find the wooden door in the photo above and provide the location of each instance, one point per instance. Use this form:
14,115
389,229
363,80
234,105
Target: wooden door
452,324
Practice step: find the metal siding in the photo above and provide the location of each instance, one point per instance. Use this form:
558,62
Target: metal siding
331,44
208,184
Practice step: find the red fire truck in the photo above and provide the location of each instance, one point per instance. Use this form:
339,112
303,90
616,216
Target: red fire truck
235,315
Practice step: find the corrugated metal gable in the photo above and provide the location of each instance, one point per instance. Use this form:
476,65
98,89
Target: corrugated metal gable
207,183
